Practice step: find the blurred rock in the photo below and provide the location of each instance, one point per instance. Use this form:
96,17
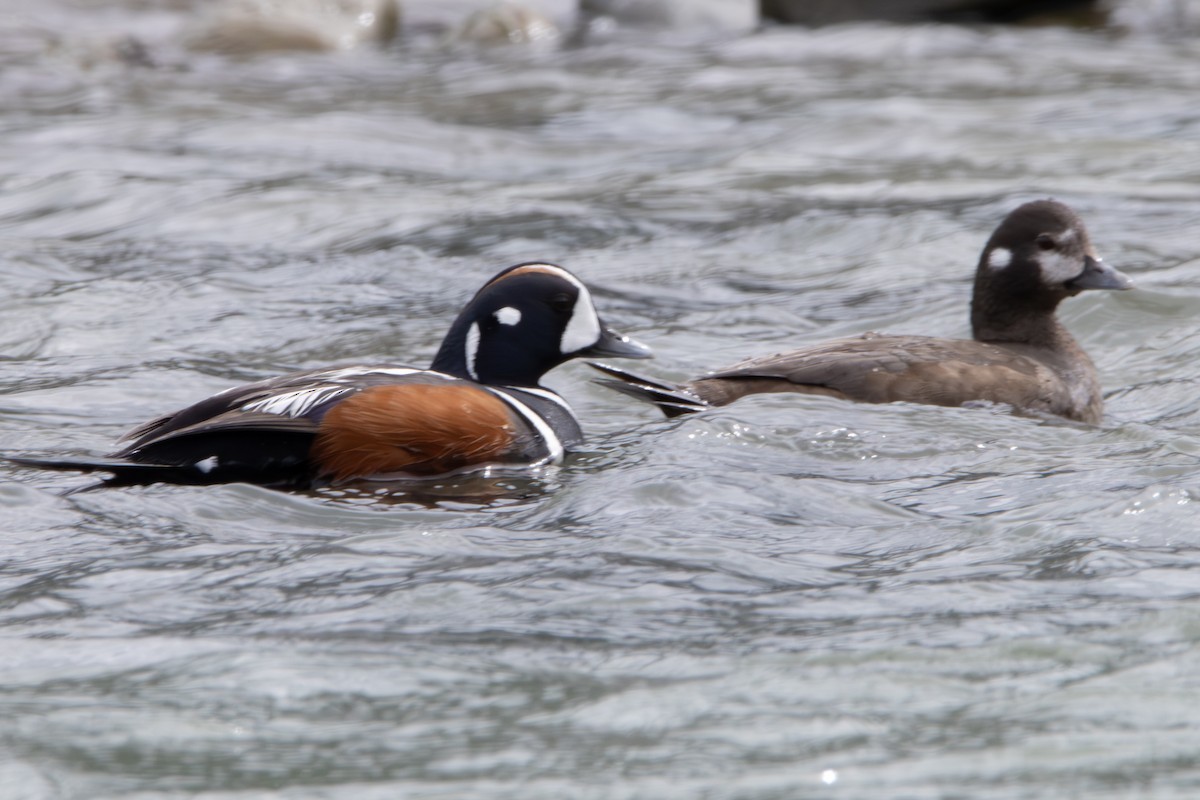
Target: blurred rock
507,23
452,16
679,15
1168,18
244,27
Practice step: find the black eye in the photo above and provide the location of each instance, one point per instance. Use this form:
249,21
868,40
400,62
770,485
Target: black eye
1045,241
562,302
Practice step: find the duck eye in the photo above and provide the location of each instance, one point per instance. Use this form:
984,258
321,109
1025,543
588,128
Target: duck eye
562,302
1045,241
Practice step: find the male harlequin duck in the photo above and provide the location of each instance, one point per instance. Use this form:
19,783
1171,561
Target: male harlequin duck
478,404
1021,354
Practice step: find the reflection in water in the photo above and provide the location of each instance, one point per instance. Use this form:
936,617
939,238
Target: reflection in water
494,489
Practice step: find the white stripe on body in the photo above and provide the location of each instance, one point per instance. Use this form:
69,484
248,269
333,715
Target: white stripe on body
553,444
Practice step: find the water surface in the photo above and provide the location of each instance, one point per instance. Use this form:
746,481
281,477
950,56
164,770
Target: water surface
785,598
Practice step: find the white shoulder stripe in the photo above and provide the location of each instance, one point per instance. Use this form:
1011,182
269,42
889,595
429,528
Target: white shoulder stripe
554,445
583,328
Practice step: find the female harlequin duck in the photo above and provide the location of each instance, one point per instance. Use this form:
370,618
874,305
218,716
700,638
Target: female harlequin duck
478,404
1021,355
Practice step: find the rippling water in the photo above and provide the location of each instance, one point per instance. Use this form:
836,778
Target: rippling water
779,599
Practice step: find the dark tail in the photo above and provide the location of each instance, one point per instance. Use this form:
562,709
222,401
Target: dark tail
124,473
672,399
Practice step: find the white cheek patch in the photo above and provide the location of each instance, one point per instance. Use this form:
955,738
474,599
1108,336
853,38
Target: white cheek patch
999,258
1059,268
472,349
583,329
508,316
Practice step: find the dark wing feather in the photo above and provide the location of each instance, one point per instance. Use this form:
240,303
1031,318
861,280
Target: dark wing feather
228,401
266,449
124,473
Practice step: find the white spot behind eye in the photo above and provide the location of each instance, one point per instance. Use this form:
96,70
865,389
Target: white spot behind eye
472,349
508,315
999,258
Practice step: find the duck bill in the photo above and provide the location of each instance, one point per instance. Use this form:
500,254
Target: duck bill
1098,275
616,345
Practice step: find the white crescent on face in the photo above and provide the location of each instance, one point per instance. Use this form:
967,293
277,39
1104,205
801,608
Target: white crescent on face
1058,267
583,328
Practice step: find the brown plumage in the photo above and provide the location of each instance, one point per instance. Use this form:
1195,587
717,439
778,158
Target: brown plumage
413,429
1021,354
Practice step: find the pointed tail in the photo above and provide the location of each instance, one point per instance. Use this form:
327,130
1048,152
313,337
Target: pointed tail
672,399
124,473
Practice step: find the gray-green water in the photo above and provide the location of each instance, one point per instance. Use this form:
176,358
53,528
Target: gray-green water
785,598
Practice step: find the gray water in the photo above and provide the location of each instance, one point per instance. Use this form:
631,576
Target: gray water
784,598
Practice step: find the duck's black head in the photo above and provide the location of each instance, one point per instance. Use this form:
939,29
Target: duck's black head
524,322
1039,256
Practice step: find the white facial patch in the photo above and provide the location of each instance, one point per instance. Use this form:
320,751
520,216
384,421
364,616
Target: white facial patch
472,348
583,329
207,465
999,258
508,316
1057,267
